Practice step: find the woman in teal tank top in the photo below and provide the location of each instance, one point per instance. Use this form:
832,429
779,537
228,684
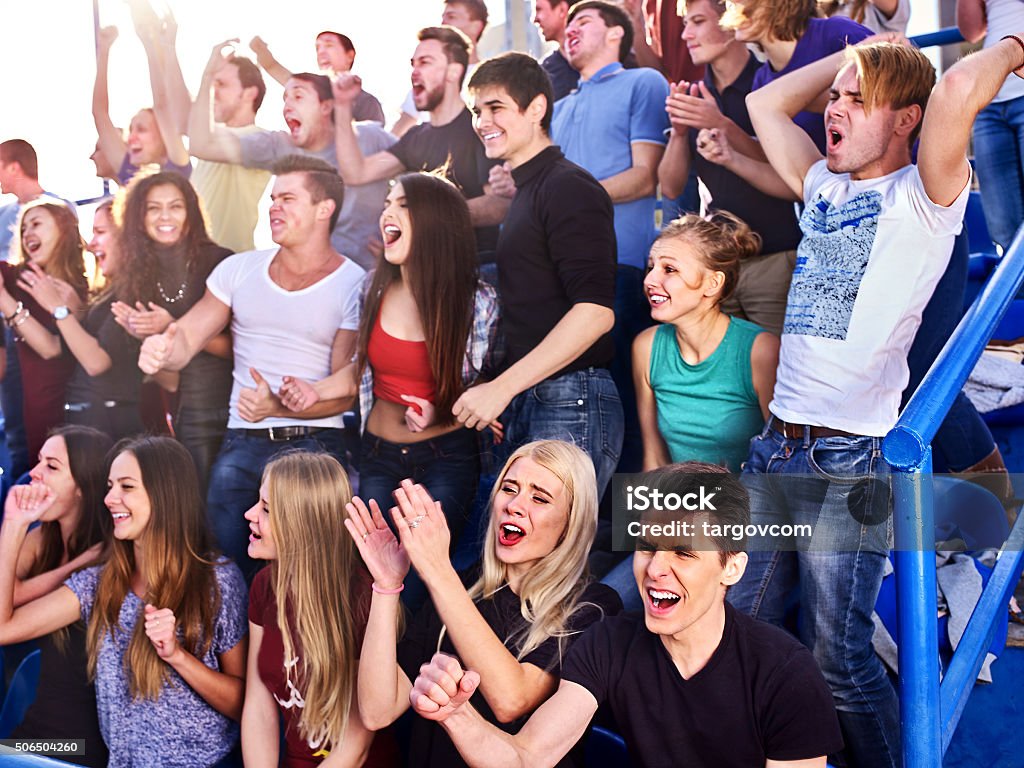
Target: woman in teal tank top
703,379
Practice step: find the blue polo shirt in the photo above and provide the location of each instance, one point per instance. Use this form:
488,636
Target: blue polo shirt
596,126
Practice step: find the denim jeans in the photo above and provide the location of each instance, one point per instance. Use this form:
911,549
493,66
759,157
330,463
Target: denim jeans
581,407
201,431
632,315
827,483
447,466
235,485
999,162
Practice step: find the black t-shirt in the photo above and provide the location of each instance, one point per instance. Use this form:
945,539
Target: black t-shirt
760,696
427,147
561,74
206,381
430,745
557,249
121,381
773,218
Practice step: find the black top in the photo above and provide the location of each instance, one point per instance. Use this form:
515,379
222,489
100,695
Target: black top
760,696
206,381
427,147
771,217
430,745
557,249
121,381
563,77
65,703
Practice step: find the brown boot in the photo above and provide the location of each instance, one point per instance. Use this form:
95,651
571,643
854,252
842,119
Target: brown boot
991,474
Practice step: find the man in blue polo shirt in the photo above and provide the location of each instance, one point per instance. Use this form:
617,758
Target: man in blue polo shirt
613,125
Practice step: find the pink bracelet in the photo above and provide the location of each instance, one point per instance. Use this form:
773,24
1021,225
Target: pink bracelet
380,591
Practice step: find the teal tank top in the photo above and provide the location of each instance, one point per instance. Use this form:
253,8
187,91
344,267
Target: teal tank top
708,411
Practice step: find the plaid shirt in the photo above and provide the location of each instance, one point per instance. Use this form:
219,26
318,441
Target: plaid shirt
483,347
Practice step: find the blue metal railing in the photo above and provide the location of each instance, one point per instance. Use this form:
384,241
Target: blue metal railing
929,712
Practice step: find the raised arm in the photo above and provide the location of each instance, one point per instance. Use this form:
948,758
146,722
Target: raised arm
789,149
111,142
353,167
964,90
266,59
971,19
25,505
173,349
512,688
207,140
442,692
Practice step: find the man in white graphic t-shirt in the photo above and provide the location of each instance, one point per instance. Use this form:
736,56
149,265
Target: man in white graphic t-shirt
877,235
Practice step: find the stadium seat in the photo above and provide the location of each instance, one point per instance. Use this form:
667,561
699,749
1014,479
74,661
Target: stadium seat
606,749
20,695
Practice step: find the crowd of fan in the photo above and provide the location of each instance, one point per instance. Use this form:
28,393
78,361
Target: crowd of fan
479,316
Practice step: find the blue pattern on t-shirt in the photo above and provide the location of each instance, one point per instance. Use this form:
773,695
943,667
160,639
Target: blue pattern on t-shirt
830,264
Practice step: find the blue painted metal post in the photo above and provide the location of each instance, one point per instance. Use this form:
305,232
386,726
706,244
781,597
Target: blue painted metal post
916,621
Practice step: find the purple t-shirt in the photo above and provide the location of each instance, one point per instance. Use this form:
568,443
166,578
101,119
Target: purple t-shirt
179,728
822,38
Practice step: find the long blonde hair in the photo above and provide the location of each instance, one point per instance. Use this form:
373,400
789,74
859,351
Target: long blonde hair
178,558
550,592
312,577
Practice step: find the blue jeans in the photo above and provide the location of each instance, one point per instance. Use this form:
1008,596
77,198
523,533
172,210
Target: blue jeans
632,315
999,162
826,483
201,431
447,466
581,407
235,485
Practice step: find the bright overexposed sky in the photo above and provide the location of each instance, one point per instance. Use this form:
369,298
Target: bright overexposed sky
47,61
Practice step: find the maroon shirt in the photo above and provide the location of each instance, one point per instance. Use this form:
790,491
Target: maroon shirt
667,32
42,381
270,662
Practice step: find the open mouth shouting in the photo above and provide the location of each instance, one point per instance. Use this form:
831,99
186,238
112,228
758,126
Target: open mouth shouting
392,233
294,125
254,535
510,534
661,601
32,244
834,137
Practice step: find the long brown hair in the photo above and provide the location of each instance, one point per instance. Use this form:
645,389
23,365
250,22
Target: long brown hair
67,262
137,276
442,274
87,461
318,610
178,553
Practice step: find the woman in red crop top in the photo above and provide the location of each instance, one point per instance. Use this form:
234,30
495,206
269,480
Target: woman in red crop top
427,326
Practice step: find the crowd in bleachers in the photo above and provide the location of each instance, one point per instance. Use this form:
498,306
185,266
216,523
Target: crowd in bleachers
388,440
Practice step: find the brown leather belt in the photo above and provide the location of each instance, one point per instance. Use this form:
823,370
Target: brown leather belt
797,431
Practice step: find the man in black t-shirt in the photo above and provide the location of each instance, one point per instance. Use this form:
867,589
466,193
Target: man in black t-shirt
556,275
691,683
447,141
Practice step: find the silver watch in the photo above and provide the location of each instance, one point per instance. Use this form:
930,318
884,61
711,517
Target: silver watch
59,313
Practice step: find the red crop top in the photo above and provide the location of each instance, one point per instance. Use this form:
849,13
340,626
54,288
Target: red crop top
400,367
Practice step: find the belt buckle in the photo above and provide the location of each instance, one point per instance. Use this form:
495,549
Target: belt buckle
272,434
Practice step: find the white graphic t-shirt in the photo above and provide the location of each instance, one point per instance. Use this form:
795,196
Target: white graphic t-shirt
871,255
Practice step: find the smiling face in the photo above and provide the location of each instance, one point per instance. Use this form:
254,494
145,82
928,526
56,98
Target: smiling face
550,19
306,116
431,72
261,535
855,140
145,144
54,471
104,242
702,36
508,133
683,591
331,55
529,515
396,227
677,282
40,235
127,499
166,214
